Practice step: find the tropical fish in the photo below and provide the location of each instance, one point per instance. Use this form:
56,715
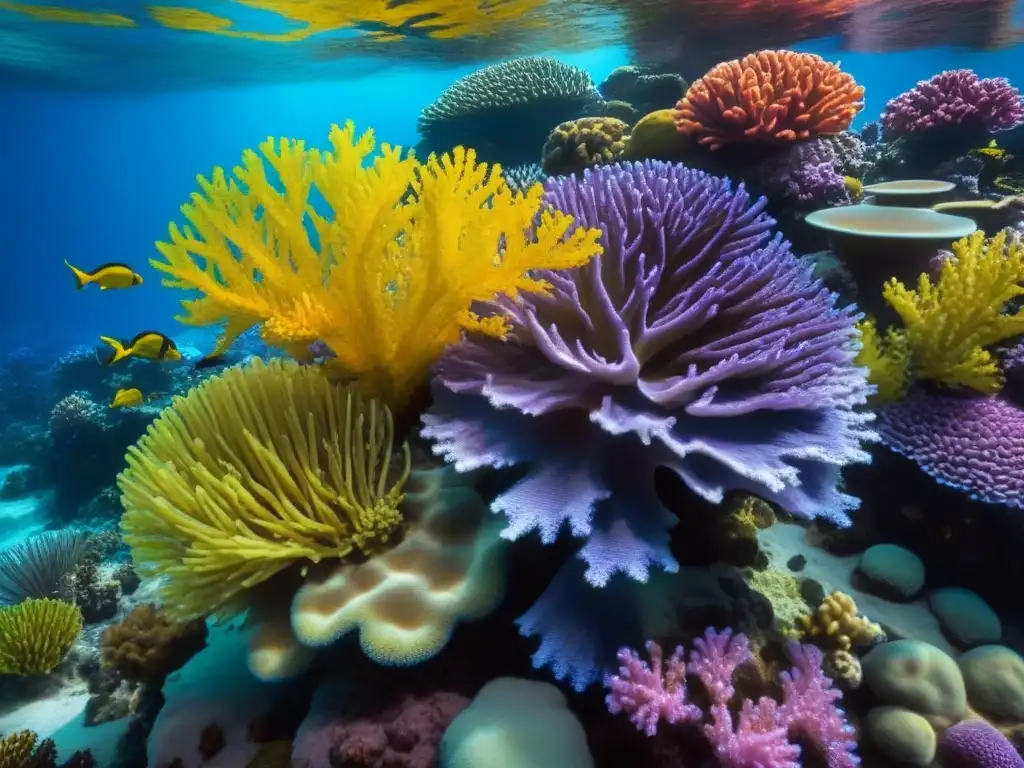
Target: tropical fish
112,275
150,345
212,360
126,398
992,151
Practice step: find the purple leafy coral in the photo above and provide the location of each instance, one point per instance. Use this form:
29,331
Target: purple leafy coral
974,444
697,342
957,97
761,735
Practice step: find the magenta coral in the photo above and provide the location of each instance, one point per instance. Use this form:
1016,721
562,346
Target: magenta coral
957,97
761,735
976,744
650,694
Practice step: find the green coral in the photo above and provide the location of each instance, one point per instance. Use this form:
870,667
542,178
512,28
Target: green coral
35,635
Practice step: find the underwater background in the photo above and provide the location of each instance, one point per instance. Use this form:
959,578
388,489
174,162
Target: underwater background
693,438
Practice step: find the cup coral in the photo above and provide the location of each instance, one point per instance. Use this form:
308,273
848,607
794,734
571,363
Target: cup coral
956,97
769,96
697,342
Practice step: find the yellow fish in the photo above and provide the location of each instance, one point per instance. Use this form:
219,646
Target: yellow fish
150,345
126,398
113,275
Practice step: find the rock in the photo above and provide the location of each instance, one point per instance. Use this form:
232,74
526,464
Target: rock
919,677
892,571
516,723
994,678
965,617
901,735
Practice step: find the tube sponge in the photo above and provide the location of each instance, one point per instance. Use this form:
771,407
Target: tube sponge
255,470
35,635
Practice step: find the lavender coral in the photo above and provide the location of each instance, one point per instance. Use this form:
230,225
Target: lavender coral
761,737
809,172
974,444
976,744
696,342
957,97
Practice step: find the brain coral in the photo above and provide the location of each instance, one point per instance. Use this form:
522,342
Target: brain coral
505,110
697,342
769,96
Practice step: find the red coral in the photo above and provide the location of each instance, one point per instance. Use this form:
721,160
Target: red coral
769,96
405,735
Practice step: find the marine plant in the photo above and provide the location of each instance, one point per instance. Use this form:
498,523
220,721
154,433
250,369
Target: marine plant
951,324
384,276
769,97
697,342
257,469
35,634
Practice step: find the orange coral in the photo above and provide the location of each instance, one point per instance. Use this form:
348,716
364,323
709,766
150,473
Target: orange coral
769,96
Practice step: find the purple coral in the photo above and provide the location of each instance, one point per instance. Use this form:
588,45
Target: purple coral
697,342
976,744
973,444
956,97
650,694
809,172
761,736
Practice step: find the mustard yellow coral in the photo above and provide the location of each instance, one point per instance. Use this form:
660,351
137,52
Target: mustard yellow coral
35,634
263,467
887,359
383,270
836,623
16,749
951,323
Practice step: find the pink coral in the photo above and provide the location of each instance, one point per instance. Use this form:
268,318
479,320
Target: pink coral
650,694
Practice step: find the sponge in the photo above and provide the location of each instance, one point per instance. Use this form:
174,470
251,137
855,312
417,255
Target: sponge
515,723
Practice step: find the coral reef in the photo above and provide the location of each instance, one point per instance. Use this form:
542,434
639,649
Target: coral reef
579,144
35,634
769,97
147,646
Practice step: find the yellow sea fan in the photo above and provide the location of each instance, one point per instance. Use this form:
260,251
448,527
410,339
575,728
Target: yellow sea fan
263,467
887,360
35,634
950,323
384,271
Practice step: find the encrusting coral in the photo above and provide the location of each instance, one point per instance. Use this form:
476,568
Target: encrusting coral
396,259
35,635
836,624
769,96
257,469
951,323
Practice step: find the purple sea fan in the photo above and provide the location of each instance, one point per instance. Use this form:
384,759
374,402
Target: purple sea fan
697,342
956,97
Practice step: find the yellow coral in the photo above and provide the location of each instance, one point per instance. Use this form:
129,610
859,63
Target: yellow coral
887,360
950,323
387,275
749,514
35,634
260,468
16,749
836,623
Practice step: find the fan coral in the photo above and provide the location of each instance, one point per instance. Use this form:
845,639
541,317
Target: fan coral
976,744
950,324
146,646
578,144
35,635
769,96
511,105
387,280
696,342
973,444
761,735
957,97
38,566
255,470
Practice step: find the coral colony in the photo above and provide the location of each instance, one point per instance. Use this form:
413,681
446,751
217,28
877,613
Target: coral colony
574,407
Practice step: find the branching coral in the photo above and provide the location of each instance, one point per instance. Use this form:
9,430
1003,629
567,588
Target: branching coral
887,359
35,635
769,96
263,467
950,324
388,273
836,623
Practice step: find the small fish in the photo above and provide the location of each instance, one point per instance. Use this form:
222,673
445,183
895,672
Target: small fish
992,151
211,360
113,275
126,398
150,345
